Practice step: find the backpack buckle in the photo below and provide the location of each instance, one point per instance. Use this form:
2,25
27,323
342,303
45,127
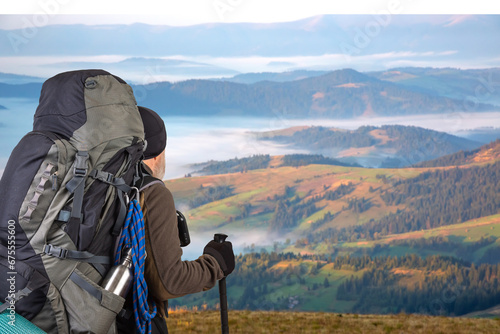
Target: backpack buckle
80,171
81,159
110,178
55,251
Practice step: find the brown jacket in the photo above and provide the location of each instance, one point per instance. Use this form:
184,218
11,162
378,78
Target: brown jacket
166,274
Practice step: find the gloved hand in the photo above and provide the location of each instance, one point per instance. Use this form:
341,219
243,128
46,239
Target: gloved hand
223,253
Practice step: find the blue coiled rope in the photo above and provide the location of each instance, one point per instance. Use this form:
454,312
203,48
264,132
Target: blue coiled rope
133,236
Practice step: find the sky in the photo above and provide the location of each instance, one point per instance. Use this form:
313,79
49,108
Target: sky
52,56
59,57
191,12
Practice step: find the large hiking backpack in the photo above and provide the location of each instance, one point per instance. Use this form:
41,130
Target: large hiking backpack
63,200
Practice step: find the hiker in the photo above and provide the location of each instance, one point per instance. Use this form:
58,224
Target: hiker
167,276
69,209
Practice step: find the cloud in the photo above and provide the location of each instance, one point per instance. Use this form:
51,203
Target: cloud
457,20
48,66
325,61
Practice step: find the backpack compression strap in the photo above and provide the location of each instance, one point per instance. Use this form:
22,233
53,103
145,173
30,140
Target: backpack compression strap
76,186
121,188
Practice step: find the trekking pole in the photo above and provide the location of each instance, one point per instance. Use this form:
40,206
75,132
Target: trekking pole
220,238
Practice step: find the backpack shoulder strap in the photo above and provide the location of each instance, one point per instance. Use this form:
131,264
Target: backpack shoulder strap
148,181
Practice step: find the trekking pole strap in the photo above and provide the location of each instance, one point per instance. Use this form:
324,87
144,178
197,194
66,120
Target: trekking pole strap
63,253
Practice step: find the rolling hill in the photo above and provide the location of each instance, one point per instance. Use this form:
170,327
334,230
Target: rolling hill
263,161
347,202
386,146
350,239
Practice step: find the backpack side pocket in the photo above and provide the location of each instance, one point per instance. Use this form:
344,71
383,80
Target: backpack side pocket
89,307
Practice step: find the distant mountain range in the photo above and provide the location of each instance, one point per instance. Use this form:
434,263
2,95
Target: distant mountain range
470,86
24,90
15,79
251,78
339,94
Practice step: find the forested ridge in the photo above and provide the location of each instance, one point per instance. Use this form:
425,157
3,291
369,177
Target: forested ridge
461,157
409,143
442,197
432,199
260,161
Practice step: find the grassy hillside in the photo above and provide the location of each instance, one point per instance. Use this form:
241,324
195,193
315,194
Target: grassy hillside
308,218
262,189
477,240
262,161
301,322
357,203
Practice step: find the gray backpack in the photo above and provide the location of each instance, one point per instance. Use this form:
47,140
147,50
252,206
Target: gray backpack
63,198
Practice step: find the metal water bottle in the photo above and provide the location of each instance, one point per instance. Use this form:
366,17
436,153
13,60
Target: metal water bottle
119,278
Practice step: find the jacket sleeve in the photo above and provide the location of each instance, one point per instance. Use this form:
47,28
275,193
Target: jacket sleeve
166,274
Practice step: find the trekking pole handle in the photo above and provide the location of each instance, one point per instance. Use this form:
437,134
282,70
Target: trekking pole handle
221,238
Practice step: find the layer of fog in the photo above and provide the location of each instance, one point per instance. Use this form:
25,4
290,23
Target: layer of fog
241,240
197,140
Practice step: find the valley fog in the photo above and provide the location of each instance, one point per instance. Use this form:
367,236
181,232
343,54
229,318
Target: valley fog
197,140
200,139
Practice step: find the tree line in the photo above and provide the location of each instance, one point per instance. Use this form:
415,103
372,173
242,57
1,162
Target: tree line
432,199
458,158
446,285
437,285
209,194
